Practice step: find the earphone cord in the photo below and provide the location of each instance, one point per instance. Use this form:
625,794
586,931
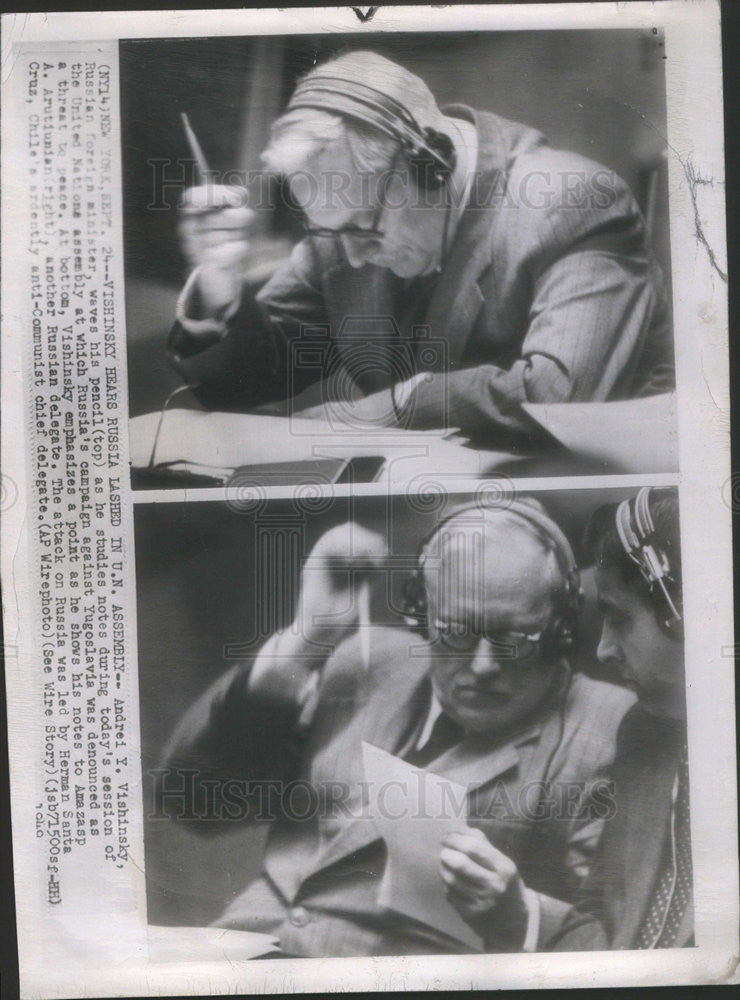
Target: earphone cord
669,600
175,392
446,229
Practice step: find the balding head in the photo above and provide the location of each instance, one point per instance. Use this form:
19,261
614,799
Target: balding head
496,553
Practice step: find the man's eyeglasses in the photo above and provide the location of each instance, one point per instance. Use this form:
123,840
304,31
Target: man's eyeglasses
507,645
372,232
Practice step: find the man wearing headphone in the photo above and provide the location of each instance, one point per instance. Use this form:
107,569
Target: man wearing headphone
639,893
479,691
525,268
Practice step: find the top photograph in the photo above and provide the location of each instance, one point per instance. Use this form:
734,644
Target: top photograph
376,258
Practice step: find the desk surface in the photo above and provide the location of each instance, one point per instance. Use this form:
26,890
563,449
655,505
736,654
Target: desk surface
635,436
234,440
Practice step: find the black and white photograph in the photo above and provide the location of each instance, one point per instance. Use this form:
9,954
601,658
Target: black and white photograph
430,728
458,241
366,500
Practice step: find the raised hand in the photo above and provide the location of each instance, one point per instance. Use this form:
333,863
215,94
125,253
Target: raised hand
213,229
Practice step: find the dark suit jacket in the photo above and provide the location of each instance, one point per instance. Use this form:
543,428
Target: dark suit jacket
549,294
532,793
619,890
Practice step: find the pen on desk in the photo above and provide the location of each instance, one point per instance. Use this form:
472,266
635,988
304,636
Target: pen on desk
195,148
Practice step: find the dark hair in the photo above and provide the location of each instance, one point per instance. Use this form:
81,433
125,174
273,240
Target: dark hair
604,549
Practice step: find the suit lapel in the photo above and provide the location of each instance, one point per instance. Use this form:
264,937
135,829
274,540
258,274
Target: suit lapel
649,805
457,299
393,710
387,720
476,761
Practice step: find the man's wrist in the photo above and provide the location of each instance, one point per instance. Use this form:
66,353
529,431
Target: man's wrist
278,672
402,394
197,316
513,925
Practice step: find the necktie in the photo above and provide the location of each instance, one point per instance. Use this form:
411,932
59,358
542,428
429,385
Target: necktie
673,890
445,734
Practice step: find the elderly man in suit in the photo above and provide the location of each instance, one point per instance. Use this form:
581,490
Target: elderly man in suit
483,697
454,267
639,893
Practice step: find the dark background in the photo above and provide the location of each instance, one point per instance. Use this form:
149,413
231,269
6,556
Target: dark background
600,93
210,577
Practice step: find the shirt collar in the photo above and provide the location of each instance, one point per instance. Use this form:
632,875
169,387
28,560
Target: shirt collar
468,152
433,713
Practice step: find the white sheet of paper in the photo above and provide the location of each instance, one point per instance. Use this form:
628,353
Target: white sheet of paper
230,440
638,435
413,810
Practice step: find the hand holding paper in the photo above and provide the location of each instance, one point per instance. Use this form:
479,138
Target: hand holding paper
482,883
414,810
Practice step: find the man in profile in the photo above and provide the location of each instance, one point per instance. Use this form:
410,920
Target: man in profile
454,266
482,695
640,894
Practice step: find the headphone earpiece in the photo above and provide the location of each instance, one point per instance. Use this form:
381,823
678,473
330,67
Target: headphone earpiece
415,603
640,541
565,625
430,163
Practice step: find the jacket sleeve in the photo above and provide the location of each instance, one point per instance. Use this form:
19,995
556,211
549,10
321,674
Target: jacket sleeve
553,871
564,856
590,924
582,863
595,322
229,739
582,927
245,360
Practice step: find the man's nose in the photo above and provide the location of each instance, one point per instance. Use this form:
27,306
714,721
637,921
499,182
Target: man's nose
359,251
486,660
607,650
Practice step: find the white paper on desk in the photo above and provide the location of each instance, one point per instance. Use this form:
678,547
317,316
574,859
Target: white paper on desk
413,810
637,435
231,440
207,944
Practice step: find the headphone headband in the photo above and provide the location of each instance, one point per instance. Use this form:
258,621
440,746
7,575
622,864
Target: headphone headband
424,146
547,530
523,509
636,530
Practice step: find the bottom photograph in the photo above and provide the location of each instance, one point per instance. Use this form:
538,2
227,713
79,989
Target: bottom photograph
434,723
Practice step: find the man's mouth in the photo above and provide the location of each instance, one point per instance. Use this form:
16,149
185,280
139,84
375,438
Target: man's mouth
472,693
625,676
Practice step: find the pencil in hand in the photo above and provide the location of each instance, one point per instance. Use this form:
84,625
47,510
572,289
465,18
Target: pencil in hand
195,148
